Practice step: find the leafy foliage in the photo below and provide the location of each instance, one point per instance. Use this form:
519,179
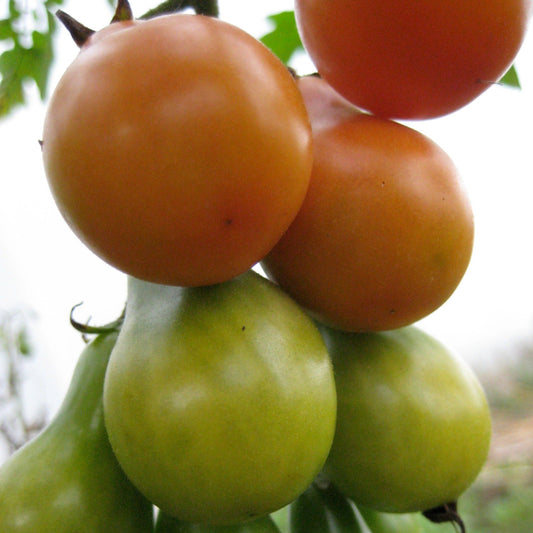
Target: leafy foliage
27,37
284,39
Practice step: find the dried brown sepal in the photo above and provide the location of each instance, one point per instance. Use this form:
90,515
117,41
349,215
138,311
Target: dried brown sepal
446,513
77,30
123,12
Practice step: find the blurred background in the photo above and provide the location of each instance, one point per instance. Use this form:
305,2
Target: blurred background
45,270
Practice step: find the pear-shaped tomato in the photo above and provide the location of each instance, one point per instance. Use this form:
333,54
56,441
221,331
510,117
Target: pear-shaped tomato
219,401
413,427
67,480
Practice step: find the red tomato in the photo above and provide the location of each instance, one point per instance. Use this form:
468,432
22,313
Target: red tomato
177,149
412,59
385,233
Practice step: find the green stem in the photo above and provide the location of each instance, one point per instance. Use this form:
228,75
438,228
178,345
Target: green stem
201,7
85,329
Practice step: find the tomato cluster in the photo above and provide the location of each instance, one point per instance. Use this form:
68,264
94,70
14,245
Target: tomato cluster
184,153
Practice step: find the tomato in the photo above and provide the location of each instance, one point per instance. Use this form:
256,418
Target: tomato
178,149
385,233
219,401
413,425
412,59
67,478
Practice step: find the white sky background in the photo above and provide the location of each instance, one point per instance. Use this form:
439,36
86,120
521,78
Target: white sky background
46,270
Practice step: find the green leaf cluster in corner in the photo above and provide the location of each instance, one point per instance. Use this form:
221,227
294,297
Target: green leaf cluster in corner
27,52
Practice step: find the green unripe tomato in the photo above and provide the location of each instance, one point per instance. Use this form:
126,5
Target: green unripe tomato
67,479
219,401
413,424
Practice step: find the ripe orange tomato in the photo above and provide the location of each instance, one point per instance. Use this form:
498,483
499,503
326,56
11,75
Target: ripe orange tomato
385,233
412,59
178,149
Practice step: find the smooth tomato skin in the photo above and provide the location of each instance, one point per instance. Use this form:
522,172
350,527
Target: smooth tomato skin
412,59
413,424
385,233
177,149
219,401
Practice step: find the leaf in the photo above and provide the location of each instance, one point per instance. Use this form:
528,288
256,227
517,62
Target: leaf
23,343
23,62
6,30
510,78
42,56
284,39
11,84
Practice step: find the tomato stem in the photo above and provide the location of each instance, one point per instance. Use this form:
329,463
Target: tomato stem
201,7
446,513
77,30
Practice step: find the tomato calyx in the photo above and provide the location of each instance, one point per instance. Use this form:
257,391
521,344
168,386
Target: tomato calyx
79,33
123,13
445,513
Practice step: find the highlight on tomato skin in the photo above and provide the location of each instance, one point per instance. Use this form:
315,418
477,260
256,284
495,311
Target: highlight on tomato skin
177,149
412,59
385,233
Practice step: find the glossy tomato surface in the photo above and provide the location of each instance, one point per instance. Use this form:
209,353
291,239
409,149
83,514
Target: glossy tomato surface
412,59
219,401
385,233
177,149
413,425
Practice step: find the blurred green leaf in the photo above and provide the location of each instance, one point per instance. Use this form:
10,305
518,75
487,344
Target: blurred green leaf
510,78
6,31
11,84
23,343
284,39
28,57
